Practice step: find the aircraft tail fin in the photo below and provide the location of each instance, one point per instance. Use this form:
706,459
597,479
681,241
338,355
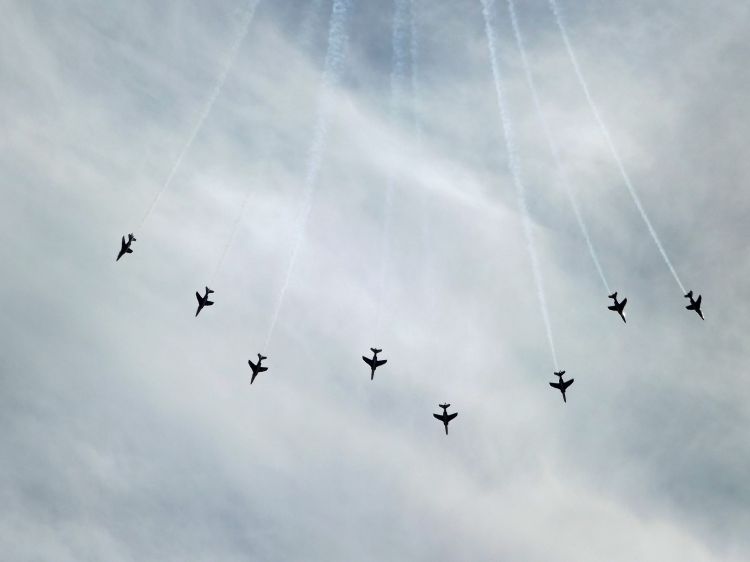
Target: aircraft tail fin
444,405
689,294
375,350
261,357
613,295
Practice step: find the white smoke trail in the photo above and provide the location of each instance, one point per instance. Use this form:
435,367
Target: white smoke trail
398,76
562,173
337,41
515,170
608,138
229,62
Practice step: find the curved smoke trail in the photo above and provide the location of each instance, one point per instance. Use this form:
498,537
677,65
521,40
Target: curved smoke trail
552,146
608,138
398,76
244,25
335,54
515,170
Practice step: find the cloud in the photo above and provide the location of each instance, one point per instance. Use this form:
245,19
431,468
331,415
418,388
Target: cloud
130,429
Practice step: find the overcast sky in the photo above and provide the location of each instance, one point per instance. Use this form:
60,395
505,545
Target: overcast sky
129,428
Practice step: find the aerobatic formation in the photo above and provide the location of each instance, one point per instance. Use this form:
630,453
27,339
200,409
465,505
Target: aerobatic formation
402,29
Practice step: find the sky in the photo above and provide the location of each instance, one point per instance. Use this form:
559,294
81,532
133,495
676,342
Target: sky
381,196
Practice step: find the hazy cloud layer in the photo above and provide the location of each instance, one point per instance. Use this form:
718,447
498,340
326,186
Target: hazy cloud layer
130,431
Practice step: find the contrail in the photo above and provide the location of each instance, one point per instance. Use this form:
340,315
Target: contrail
231,56
398,75
610,143
335,54
515,170
561,172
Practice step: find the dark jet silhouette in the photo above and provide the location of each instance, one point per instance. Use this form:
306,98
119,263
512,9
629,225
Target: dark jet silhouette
125,247
373,362
257,368
618,307
445,417
203,300
695,304
561,385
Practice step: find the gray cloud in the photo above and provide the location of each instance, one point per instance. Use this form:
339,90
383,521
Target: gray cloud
130,429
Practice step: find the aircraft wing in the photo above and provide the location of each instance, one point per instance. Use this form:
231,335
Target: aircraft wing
698,301
451,416
567,383
439,417
123,241
253,365
613,307
381,362
554,384
198,296
367,360
622,304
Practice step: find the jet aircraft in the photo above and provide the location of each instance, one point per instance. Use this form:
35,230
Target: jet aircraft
125,247
695,304
561,385
618,307
374,362
203,300
257,368
445,417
